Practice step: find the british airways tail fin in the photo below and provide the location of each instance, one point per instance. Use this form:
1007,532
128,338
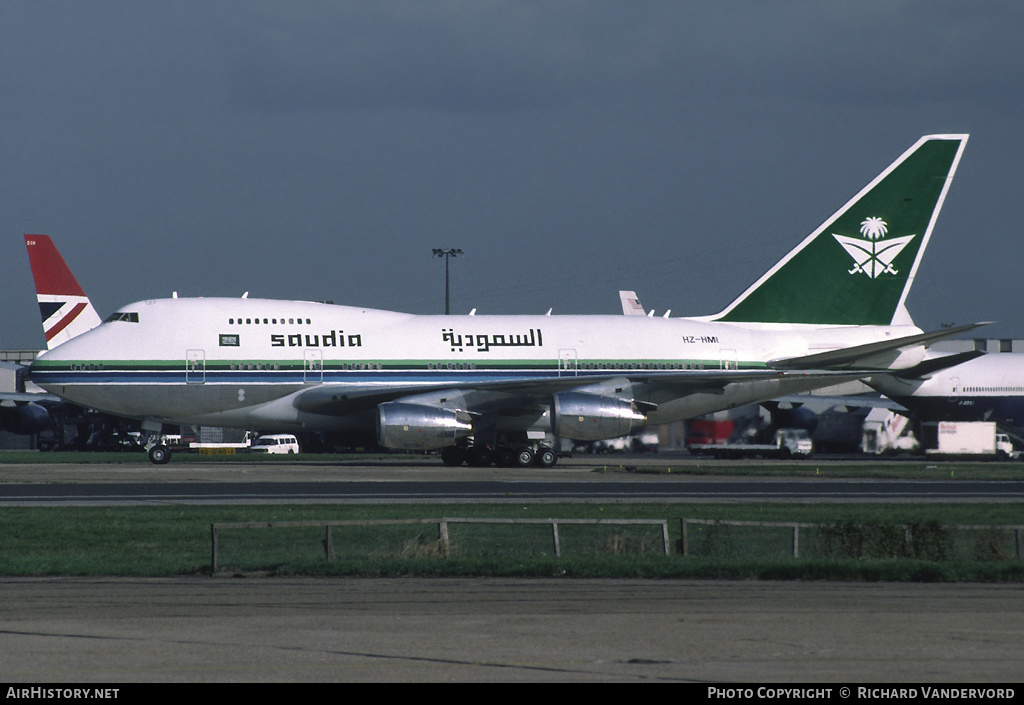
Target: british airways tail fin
66,310
631,304
858,266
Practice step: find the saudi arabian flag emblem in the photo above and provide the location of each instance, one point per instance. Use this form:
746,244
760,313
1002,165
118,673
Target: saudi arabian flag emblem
873,256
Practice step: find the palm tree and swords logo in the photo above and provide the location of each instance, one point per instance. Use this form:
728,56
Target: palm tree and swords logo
872,256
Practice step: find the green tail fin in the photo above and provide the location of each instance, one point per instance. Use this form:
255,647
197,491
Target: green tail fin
857,268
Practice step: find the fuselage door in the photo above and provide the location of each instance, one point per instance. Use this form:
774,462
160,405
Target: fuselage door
195,366
954,392
567,362
313,366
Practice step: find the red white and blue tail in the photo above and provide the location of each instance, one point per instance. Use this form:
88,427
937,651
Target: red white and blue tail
66,310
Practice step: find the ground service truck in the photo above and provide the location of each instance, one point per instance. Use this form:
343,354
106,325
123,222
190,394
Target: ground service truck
787,443
973,438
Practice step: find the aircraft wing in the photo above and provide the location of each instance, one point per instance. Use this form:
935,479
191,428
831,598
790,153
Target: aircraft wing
476,395
23,397
852,401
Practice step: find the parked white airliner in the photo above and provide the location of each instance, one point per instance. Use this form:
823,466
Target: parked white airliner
500,388
985,388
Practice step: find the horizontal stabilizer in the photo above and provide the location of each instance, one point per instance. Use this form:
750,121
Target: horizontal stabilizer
929,367
852,356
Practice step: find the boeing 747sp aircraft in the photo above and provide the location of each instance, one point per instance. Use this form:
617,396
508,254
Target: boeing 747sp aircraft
499,388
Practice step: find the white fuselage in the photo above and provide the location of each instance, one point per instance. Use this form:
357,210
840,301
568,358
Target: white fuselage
988,388
243,362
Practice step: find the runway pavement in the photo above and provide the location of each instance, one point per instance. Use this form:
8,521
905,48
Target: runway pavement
106,630
587,479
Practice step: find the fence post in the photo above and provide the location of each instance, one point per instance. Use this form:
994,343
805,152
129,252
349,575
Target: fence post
554,534
796,540
213,549
442,535
682,537
664,536
329,544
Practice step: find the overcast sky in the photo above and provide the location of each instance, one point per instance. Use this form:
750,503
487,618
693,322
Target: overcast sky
321,150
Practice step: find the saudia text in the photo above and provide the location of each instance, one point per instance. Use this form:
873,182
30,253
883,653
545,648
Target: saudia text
483,343
333,339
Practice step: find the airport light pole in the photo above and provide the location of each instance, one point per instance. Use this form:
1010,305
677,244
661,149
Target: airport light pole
447,254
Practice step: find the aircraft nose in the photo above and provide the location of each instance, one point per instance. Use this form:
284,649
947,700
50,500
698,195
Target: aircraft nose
37,365
41,371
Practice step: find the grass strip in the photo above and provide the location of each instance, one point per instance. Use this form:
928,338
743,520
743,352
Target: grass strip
175,540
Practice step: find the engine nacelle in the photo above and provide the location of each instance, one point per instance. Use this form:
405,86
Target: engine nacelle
25,419
591,417
420,427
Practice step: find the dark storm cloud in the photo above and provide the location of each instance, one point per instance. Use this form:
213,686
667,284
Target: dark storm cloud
448,56
509,56
321,149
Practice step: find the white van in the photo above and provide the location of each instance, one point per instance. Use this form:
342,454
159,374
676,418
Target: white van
282,443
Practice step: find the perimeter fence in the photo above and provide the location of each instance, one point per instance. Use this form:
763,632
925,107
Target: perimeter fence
930,541
411,538
250,546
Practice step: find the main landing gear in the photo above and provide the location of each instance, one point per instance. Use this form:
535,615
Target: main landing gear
158,449
504,456
159,454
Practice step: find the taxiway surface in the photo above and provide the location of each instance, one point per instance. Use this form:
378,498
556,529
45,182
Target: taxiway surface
496,630
592,479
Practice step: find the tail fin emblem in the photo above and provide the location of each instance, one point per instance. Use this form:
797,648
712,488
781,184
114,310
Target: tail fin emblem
871,256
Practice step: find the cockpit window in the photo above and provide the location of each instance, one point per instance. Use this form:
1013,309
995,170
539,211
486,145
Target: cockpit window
124,316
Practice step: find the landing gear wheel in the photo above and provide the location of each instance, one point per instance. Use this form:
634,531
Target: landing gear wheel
481,456
159,454
505,458
546,457
452,456
524,457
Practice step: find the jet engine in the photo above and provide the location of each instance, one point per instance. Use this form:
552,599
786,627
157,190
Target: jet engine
25,419
591,417
420,427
